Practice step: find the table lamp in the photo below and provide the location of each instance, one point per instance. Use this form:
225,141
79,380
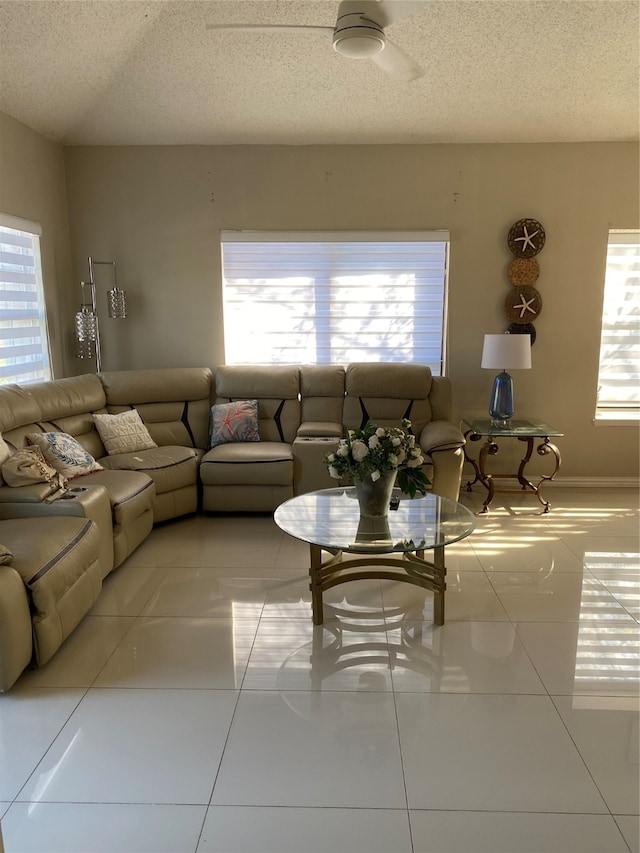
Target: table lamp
506,351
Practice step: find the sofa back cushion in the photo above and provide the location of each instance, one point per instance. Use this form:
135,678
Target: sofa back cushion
322,393
276,388
60,405
174,403
384,393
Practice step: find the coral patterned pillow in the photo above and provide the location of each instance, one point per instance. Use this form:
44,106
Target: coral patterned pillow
64,453
234,422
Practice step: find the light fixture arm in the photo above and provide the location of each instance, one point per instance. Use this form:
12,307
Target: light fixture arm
87,324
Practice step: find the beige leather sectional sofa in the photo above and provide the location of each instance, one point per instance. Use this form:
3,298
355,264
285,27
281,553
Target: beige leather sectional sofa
54,555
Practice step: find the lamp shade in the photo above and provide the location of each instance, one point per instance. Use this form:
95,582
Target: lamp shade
507,352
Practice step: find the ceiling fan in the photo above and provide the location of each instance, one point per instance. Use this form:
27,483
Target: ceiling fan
359,33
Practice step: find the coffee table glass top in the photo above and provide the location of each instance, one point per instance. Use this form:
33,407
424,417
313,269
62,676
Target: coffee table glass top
516,428
331,518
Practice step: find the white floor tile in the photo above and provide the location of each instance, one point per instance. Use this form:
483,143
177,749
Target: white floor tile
181,652
630,828
499,753
136,746
312,749
469,597
126,590
460,657
206,592
475,832
30,720
605,730
215,610
585,658
98,828
82,655
230,829
569,597
291,654
531,551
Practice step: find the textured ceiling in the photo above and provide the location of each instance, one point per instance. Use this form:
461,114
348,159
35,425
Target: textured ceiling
105,72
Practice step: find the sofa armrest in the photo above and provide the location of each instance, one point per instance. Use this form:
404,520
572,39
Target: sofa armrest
440,435
16,644
34,494
319,429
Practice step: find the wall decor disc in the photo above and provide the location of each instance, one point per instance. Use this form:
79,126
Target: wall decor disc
526,238
524,271
523,329
523,304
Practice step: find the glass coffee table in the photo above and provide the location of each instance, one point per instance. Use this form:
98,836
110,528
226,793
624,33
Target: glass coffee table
391,548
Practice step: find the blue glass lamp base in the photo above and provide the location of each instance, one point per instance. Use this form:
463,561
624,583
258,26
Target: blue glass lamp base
501,405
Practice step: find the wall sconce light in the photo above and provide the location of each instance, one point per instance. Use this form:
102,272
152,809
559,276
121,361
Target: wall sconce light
87,326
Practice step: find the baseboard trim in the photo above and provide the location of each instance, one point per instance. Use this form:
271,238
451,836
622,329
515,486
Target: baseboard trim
598,482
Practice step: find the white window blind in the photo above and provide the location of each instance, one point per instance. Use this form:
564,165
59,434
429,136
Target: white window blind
619,373
24,344
320,298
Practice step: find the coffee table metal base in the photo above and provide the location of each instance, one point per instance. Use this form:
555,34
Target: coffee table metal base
411,568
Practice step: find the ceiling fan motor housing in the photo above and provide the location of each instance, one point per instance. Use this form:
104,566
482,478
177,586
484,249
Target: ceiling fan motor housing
357,37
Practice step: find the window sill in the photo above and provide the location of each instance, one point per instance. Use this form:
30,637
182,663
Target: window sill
626,419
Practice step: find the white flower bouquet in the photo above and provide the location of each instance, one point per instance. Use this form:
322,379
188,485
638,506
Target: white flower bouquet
365,454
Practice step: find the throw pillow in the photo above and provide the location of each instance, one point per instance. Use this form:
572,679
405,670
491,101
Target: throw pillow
234,422
123,433
5,453
64,453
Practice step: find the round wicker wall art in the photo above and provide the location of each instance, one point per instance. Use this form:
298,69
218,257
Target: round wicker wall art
523,304
523,329
526,238
524,271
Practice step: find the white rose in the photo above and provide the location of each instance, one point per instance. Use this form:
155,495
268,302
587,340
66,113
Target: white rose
415,461
396,441
393,459
333,472
359,450
401,456
374,441
375,475
331,457
380,432
343,450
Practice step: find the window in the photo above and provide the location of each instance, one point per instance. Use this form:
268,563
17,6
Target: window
24,344
322,298
619,374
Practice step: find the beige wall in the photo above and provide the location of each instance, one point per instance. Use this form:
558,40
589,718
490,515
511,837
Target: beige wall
158,212
32,186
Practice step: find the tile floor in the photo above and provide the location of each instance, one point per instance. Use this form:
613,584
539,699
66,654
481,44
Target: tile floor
196,707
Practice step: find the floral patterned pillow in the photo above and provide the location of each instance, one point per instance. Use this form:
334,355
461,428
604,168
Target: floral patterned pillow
234,422
64,453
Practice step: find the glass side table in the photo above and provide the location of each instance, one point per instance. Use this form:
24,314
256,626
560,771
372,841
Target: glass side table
525,431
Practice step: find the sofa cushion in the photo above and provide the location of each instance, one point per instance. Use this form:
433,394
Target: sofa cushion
169,467
234,422
123,433
260,463
64,453
131,493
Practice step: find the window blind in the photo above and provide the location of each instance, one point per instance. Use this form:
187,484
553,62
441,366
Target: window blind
619,369
319,298
24,345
